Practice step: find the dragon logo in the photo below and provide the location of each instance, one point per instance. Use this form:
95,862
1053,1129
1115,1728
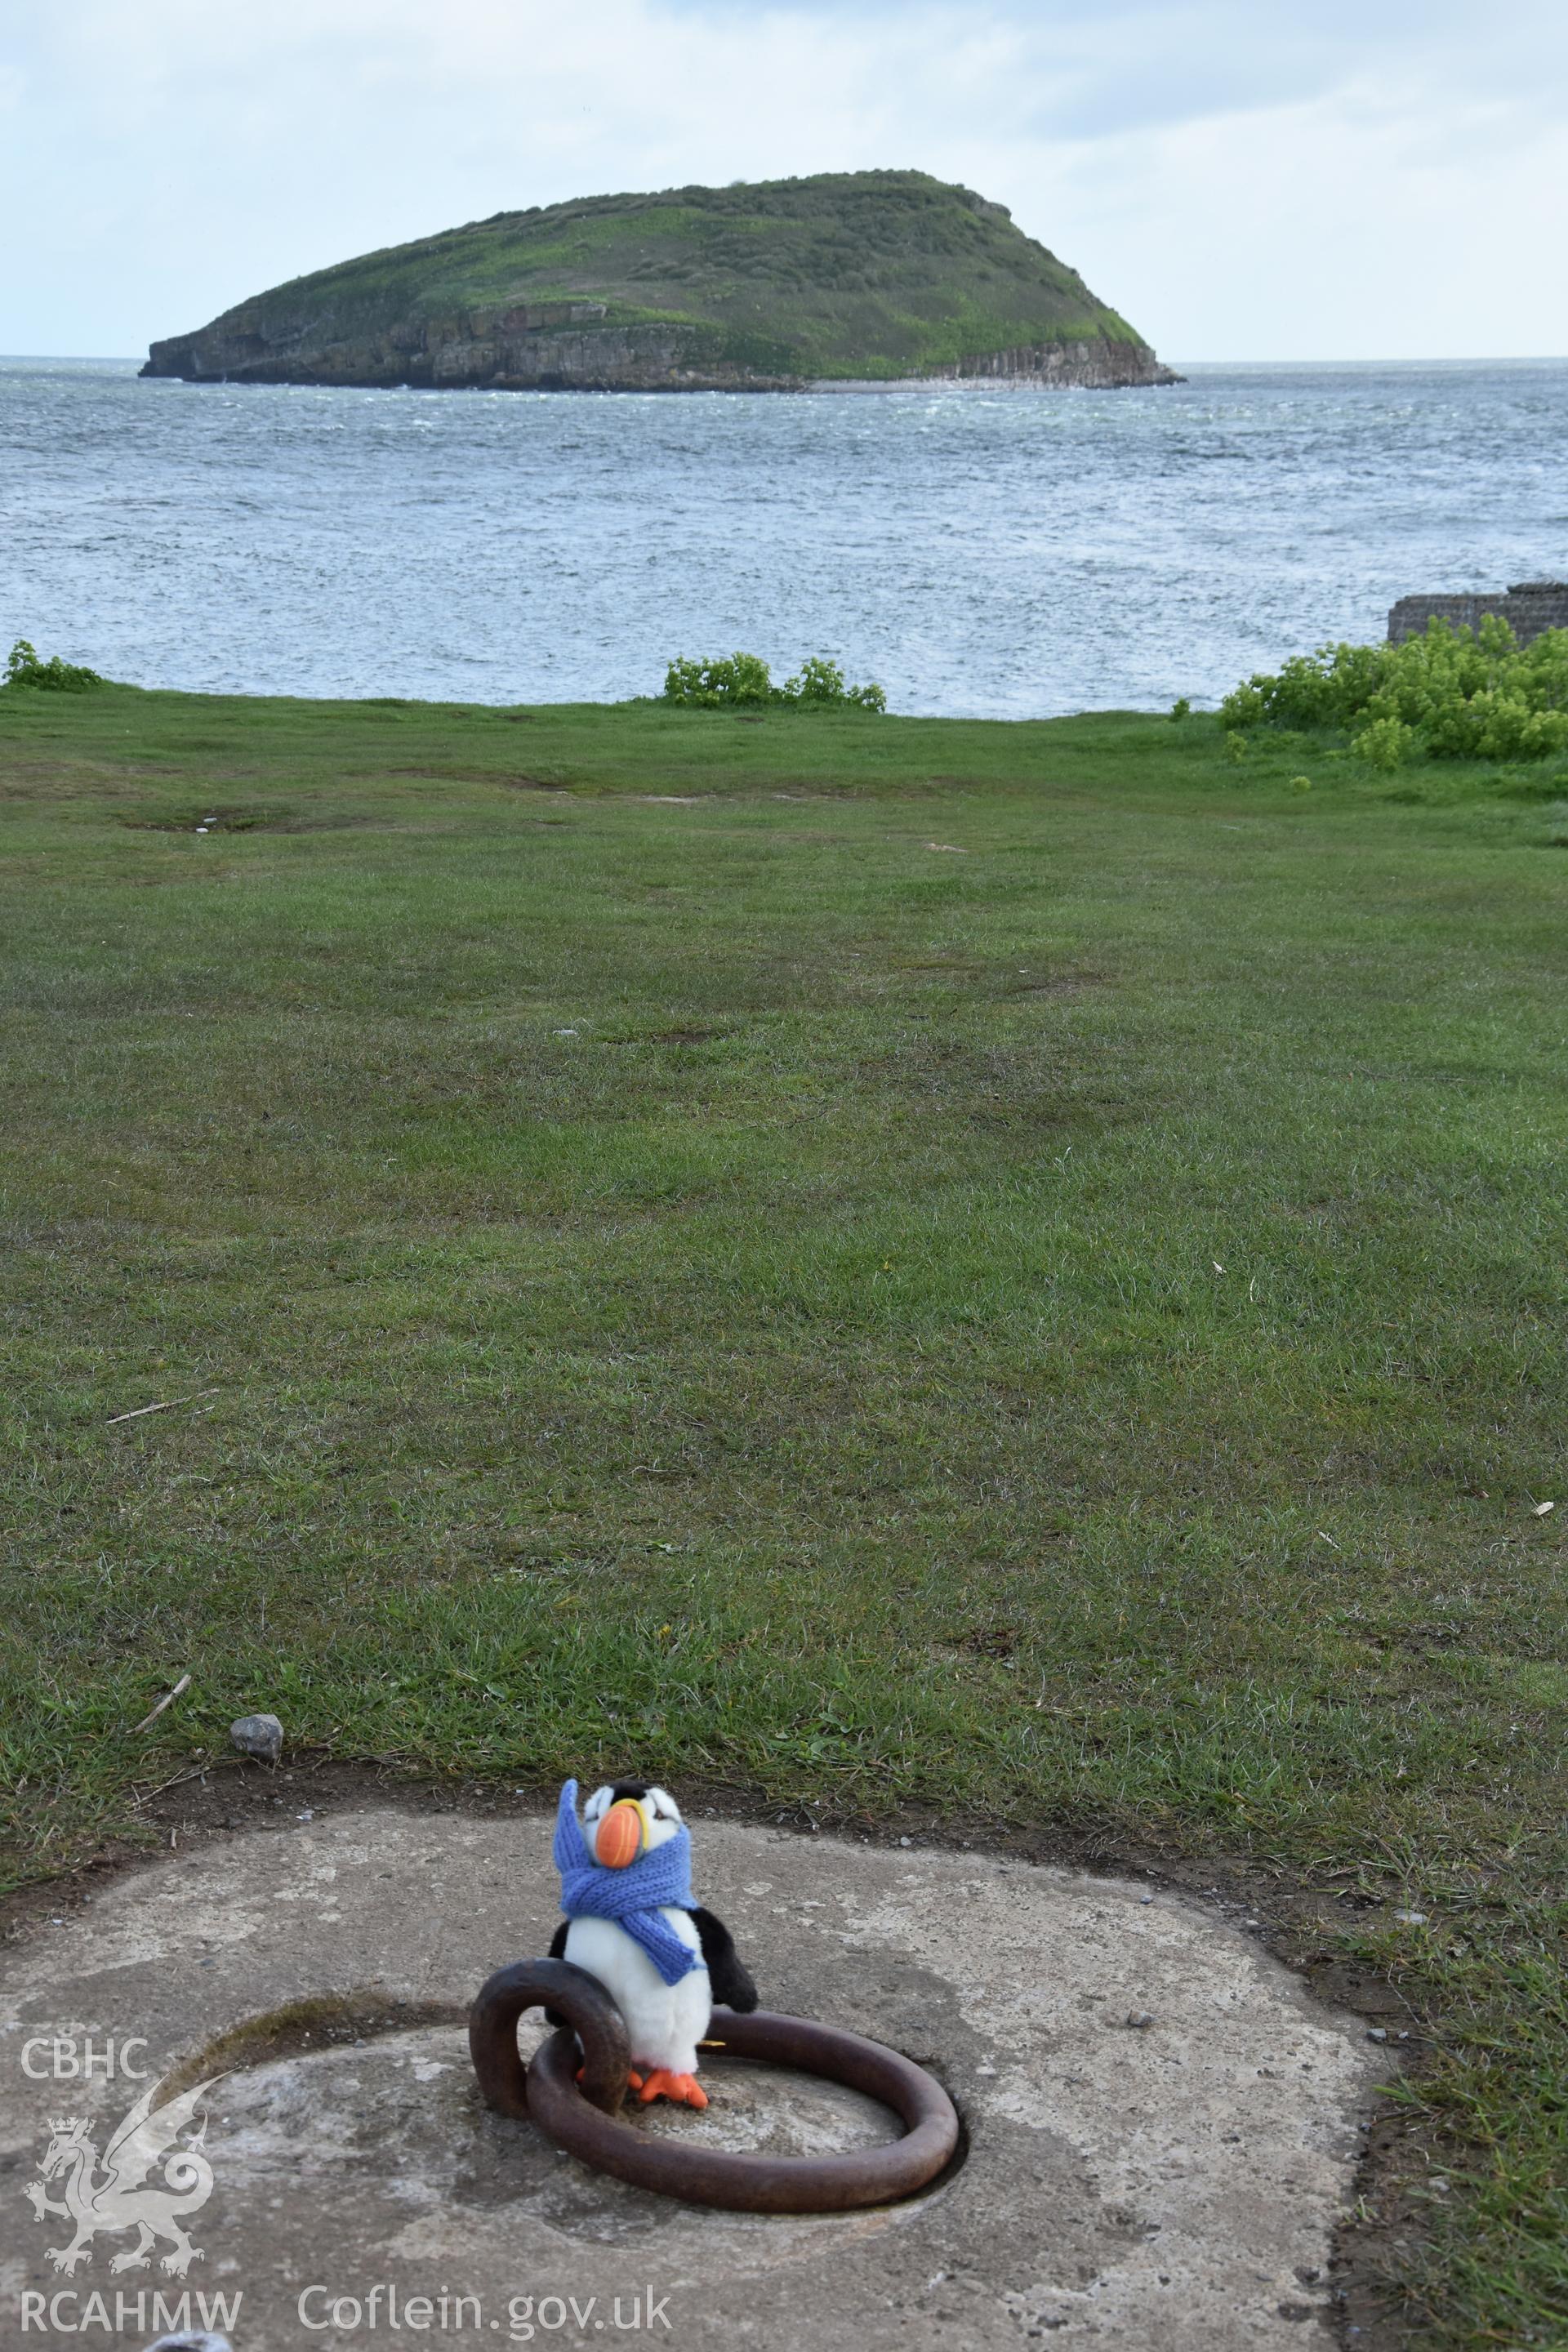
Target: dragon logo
120,2195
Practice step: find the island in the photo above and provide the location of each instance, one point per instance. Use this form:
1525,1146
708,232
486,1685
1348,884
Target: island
771,285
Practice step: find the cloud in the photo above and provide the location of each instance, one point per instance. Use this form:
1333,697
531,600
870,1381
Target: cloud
1235,179
1349,227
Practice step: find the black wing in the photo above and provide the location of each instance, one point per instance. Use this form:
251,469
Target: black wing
727,1971
557,1952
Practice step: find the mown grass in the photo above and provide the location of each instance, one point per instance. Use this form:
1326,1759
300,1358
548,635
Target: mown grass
1013,1266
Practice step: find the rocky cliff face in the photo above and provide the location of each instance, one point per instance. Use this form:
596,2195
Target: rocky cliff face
1101,365
538,347
524,350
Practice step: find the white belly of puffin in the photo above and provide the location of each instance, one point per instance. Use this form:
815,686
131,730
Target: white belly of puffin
665,2022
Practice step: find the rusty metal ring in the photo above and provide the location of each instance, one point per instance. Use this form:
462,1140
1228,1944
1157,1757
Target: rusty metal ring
581,2117
572,1993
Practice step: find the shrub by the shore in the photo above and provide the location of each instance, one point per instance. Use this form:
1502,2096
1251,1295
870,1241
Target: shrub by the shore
25,667
1450,694
745,678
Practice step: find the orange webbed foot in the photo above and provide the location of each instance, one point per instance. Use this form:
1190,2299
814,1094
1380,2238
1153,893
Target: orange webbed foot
684,2089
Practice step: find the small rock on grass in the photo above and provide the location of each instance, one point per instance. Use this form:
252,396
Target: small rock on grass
258,1735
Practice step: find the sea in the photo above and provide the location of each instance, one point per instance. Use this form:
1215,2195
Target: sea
978,550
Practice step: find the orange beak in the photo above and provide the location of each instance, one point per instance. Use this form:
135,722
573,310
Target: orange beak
621,1834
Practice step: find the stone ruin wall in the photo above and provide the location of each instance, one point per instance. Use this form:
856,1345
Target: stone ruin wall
1529,607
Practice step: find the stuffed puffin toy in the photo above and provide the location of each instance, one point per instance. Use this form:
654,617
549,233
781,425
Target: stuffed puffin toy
625,1888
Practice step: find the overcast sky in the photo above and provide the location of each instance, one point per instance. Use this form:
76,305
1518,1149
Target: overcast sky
1252,179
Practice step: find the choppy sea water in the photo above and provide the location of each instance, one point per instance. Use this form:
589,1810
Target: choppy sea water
986,551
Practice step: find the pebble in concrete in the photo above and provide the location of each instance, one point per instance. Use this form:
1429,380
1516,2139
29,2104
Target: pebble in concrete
1162,2124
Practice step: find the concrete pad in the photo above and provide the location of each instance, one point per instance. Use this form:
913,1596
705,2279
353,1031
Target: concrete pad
1173,2184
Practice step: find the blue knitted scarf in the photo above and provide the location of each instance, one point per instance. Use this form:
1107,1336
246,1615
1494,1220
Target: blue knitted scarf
631,1896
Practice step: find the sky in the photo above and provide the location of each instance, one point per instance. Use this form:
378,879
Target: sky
1242,179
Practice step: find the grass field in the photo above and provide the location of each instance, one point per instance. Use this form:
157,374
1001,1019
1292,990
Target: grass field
1018,1267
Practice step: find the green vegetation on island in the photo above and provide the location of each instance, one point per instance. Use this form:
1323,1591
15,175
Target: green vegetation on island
1019,1268
871,275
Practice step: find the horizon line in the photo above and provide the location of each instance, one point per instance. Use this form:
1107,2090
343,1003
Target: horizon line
1420,358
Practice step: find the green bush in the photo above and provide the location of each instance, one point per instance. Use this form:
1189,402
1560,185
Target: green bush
1386,744
23,667
745,678
819,680
1451,694
710,685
